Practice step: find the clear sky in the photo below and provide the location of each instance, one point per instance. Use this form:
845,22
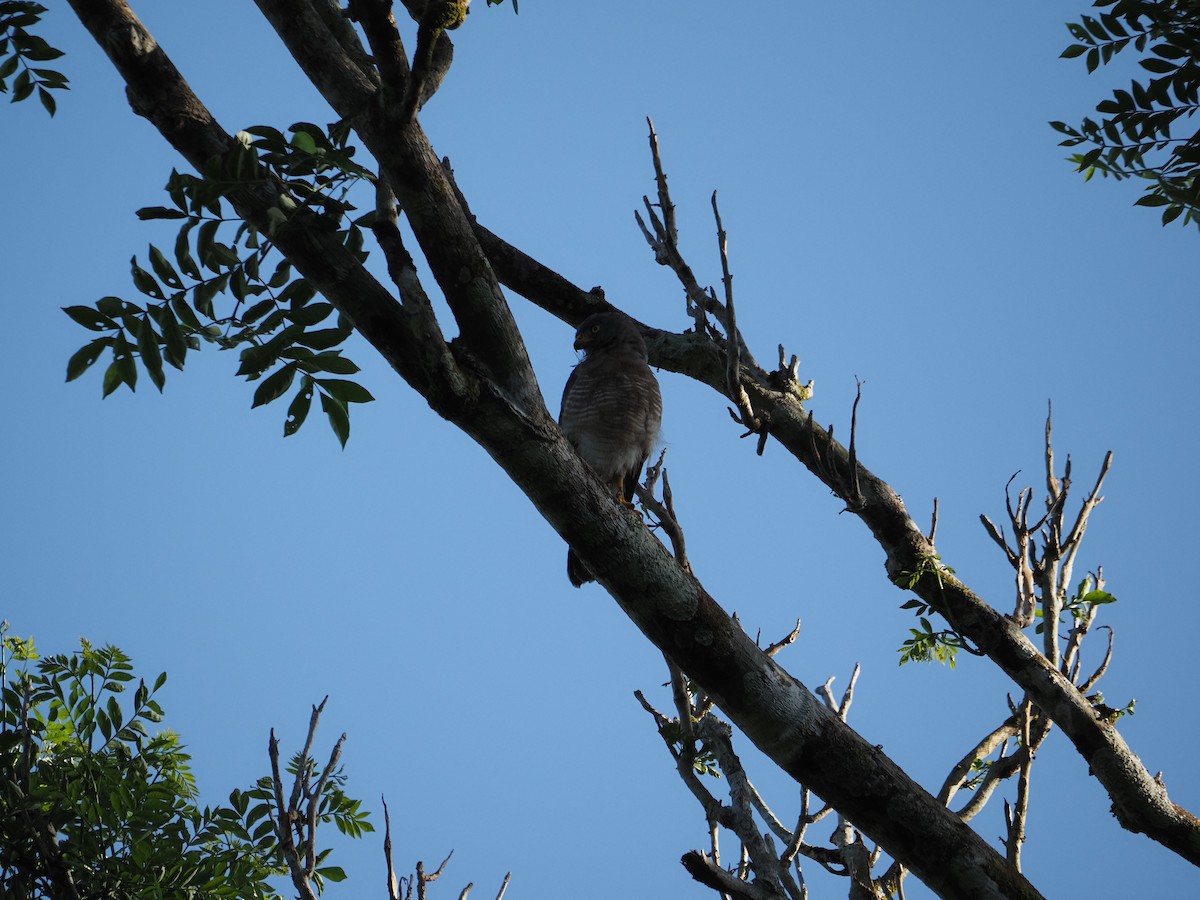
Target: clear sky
898,210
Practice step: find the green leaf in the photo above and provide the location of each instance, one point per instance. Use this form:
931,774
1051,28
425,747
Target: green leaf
344,391
257,311
186,316
47,100
173,336
339,417
332,873
145,282
22,86
311,314
147,341
205,235
113,377
37,50
183,252
333,363
274,386
1157,66
83,358
89,318
303,141
298,409
323,338
163,269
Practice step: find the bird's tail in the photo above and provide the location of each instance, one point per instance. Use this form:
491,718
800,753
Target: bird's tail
577,571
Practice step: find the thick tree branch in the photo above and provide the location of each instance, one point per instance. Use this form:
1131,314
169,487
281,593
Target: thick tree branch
1139,802
486,326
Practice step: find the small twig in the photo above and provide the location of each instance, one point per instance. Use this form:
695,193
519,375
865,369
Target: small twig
981,751
933,525
387,853
664,511
314,800
664,196
1103,667
683,704
1016,814
842,708
424,879
790,638
504,886
854,499
303,770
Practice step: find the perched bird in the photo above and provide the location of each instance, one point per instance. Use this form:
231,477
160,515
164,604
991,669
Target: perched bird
611,409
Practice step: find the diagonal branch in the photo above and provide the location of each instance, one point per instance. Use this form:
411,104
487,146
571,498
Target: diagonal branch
1140,803
486,326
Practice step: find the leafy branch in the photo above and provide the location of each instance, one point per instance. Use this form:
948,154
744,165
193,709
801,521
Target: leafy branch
272,317
1134,137
19,48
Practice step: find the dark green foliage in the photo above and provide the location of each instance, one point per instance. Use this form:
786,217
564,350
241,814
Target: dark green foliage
90,796
225,283
1137,134
20,51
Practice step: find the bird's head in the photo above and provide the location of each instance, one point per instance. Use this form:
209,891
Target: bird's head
605,329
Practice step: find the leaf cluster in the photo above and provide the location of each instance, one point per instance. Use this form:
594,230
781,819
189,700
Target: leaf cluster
1081,604
225,282
704,761
20,51
90,795
1136,134
928,643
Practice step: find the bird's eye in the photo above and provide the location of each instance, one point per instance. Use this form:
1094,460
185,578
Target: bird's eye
595,329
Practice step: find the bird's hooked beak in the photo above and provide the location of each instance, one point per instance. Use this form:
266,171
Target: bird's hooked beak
583,340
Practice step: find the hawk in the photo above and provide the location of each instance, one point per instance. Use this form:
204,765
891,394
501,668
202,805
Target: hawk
611,409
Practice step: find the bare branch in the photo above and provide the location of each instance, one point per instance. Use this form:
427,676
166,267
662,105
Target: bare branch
670,229
733,343
981,751
1090,681
708,873
664,512
1016,814
314,800
786,640
387,853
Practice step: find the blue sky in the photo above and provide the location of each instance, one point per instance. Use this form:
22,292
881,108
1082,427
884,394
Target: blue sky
898,211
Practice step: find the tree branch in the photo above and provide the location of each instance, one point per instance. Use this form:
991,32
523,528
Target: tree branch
1140,804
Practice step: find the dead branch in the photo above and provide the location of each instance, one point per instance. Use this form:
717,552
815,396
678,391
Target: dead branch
785,641
664,511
